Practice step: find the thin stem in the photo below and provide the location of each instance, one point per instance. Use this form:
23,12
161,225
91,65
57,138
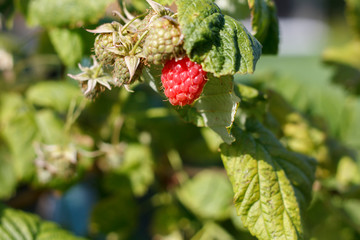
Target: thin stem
118,123
131,21
90,154
79,110
98,70
176,164
138,43
73,113
70,114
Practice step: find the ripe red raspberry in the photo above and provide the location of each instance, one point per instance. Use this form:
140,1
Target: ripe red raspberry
183,81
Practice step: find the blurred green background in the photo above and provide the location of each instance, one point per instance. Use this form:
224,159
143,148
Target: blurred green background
128,167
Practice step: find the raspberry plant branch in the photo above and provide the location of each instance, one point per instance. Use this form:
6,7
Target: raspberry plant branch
200,49
152,169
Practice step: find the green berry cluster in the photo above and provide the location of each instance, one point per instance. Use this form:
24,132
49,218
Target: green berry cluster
123,49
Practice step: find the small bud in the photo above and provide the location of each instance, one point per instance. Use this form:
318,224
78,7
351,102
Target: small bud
93,79
160,9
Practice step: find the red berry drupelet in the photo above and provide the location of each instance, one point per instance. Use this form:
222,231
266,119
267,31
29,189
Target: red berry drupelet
183,81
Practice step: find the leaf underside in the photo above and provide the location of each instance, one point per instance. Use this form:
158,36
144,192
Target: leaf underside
215,108
271,184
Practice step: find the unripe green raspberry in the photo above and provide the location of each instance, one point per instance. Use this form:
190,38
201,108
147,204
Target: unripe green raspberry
148,19
164,41
102,42
121,72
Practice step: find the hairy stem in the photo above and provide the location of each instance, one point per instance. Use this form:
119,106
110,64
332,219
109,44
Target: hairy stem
138,42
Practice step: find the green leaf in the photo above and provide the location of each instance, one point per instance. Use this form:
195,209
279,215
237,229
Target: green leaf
221,44
20,135
296,132
15,224
212,231
19,130
165,2
272,186
138,165
352,210
346,55
338,111
65,12
327,219
265,24
208,195
348,172
57,95
236,220
50,127
10,106
22,127
150,76
116,215
211,139
238,9
165,219
247,93
253,102
22,6
353,14
68,45
7,174
215,108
